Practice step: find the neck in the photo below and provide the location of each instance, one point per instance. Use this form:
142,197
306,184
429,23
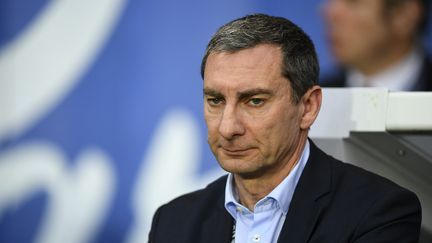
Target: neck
251,190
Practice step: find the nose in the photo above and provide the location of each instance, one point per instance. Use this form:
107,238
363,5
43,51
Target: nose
230,125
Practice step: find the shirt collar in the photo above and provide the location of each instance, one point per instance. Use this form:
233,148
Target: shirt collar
282,193
398,77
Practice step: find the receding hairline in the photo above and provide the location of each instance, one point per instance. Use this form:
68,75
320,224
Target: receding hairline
234,51
299,58
276,49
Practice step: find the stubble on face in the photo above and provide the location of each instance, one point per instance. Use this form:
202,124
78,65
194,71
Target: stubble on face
252,141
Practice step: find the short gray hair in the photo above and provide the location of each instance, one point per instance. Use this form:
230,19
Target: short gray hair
300,63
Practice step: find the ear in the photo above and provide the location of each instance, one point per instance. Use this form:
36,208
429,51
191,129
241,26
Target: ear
405,18
311,102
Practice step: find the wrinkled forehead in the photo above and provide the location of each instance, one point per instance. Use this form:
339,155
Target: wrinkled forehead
253,68
263,57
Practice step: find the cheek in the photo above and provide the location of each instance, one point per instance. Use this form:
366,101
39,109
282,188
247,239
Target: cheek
275,127
359,43
369,27
357,25
290,122
284,136
212,124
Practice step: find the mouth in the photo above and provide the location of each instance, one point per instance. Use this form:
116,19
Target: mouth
235,151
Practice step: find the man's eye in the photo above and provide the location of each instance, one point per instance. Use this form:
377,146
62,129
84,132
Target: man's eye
256,102
214,101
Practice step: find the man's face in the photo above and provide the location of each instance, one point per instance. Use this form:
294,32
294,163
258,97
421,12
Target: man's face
253,125
358,30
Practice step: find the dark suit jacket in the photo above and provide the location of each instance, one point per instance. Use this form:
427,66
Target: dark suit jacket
423,81
333,202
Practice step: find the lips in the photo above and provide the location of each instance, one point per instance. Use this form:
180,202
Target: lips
235,151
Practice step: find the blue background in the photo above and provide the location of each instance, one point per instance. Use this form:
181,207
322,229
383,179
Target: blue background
149,64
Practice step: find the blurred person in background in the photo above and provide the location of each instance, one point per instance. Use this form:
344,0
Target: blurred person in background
377,43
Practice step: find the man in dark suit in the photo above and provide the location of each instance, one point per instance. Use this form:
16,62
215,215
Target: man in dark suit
378,43
260,99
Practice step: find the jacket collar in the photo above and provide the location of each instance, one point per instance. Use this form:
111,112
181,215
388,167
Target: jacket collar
308,201
309,198
217,227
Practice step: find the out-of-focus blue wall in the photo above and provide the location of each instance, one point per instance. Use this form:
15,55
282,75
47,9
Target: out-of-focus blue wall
100,105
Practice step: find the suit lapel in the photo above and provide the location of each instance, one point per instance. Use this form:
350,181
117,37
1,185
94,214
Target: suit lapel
217,228
308,199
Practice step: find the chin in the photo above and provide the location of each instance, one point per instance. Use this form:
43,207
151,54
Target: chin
239,167
250,174
234,165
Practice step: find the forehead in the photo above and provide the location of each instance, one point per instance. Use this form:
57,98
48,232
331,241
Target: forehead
262,54
257,66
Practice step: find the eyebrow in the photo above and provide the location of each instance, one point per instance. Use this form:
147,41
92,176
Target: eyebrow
212,92
252,92
241,95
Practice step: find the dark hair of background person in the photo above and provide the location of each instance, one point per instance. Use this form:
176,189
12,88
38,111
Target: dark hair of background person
300,63
390,5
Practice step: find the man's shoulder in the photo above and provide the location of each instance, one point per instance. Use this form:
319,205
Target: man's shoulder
183,218
357,186
354,177
369,205
350,179
207,196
